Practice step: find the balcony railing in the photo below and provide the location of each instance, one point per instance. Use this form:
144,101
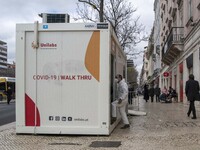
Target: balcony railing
171,48
175,37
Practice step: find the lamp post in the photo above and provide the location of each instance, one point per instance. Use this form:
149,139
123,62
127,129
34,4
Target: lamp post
100,10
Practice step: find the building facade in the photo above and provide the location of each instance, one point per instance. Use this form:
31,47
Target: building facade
151,59
145,69
3,55
147,72
177,42
157,49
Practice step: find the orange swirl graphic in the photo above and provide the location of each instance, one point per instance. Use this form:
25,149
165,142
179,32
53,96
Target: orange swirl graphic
92,57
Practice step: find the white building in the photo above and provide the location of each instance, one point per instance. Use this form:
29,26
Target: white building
179,36
151,58
3,54
157,49
145,69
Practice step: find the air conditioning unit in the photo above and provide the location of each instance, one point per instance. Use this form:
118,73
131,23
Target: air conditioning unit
54,18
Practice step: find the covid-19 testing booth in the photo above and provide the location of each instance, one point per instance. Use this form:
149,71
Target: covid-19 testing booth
65,78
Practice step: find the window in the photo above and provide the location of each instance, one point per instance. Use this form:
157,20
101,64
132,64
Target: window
190,70
189,9
175,21
181,17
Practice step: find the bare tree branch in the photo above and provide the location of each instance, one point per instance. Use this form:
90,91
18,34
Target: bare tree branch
120,14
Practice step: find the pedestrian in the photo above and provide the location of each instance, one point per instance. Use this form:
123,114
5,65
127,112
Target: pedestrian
121,101
170,90
151,93
192,93
164,94
165,91
157,93
130,95
9,95
174,95
146,93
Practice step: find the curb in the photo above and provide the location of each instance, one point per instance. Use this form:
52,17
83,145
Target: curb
3,102
7,126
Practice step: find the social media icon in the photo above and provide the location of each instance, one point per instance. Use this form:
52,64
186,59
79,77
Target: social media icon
50,118
69,118
57,118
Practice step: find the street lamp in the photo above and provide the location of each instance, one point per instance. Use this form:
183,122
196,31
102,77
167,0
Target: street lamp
100,10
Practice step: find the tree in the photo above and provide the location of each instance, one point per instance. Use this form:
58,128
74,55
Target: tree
119,13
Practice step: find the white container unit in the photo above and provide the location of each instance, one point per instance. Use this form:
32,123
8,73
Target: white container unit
65,78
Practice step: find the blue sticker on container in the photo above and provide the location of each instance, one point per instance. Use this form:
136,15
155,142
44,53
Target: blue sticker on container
45,26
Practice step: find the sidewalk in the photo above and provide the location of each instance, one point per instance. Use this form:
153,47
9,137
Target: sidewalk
5,101
166,127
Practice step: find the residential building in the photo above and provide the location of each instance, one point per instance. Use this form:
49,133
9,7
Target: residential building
177,36
145,69
151,58
3,55
157,49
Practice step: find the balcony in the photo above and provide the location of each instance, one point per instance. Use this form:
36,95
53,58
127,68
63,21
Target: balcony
158,49
156,72
130,63
174,12
173,46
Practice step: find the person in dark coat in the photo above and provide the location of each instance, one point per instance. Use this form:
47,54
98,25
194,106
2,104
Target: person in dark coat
146,93
170,90
130,95
157,93
151,93
192,93
9,95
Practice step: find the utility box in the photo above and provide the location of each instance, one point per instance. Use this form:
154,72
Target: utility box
65,78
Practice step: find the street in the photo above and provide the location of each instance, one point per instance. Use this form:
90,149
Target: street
165,127
7,113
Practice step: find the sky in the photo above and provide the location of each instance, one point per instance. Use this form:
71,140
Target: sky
26,11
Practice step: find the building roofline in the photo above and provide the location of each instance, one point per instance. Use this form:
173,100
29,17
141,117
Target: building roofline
2,42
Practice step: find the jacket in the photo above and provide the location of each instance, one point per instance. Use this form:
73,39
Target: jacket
122,90
146,93
157,91
151,92
192,90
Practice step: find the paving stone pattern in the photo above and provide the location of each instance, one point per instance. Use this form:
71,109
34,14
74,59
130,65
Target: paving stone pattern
166,127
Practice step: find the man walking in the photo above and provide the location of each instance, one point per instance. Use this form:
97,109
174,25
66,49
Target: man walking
122,100
157,93
9,95
151,93
192,92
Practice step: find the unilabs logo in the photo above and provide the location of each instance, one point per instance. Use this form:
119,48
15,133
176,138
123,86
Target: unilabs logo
48,45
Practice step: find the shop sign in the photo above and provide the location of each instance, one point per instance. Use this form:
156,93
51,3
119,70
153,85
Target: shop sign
166,74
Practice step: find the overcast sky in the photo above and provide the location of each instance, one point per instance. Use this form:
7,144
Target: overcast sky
26,11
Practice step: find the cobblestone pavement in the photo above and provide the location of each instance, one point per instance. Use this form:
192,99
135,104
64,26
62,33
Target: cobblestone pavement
166,127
